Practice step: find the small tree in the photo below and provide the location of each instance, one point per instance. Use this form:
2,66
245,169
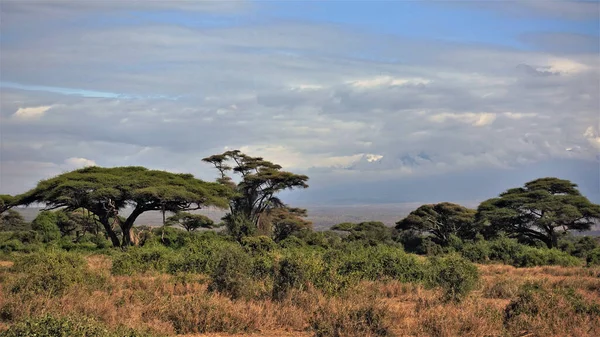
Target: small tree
542,210
372,232
12,220
190,222
256,193
287,221
441,221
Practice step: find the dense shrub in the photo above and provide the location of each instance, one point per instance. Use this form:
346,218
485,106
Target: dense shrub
142,259
48,272
46,225
379,262
593,258
201,257
80,326
478,252
530,257
258,244
232,274
454,274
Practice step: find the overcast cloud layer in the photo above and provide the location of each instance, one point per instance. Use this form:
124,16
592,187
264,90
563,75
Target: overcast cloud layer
363,113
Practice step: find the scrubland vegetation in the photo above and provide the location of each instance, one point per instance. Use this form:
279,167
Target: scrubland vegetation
509,268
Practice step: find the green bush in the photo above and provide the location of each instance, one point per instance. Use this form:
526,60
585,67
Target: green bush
530,257
377,262
258,244
12,245
454,274
46,225
291,274
141,260
232,274
291,242
505,250
80,326
478,252
48,272
200,257
593,258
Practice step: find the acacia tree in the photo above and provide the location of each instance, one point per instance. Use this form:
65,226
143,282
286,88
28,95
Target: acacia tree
190,222
256,193
441,220
106,192
541,210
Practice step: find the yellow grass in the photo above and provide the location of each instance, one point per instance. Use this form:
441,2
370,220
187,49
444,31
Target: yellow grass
168,306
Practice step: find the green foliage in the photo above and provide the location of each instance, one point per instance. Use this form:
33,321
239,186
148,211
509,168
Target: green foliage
258,244
540,210
593,258
286,221
80,326
6,202
239,226
48,272
142,259
292,273
256,193
190,222
478,252
510,251
232,274
106,191
378,262
370,232
45,223
441,221
456,275
202,256
11,220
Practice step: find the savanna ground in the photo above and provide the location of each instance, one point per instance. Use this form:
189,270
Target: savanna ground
507,301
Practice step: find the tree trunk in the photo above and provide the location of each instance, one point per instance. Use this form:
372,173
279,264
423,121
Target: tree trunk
126,227
109,231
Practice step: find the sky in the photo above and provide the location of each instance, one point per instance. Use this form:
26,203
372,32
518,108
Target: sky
376,101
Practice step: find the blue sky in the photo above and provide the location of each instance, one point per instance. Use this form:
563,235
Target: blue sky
366,97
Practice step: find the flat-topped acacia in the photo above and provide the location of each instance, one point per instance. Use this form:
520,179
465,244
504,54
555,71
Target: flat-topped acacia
540,210
107,191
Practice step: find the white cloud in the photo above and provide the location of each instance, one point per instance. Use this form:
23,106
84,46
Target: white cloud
379,81
74,162
475,119
31,112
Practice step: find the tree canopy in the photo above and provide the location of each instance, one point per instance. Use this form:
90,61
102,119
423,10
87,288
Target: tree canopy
106,192
190,222
256,193
441,221
541,210
286,221
371,232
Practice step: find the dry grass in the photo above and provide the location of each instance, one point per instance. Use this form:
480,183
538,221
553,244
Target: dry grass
171,305
6,264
